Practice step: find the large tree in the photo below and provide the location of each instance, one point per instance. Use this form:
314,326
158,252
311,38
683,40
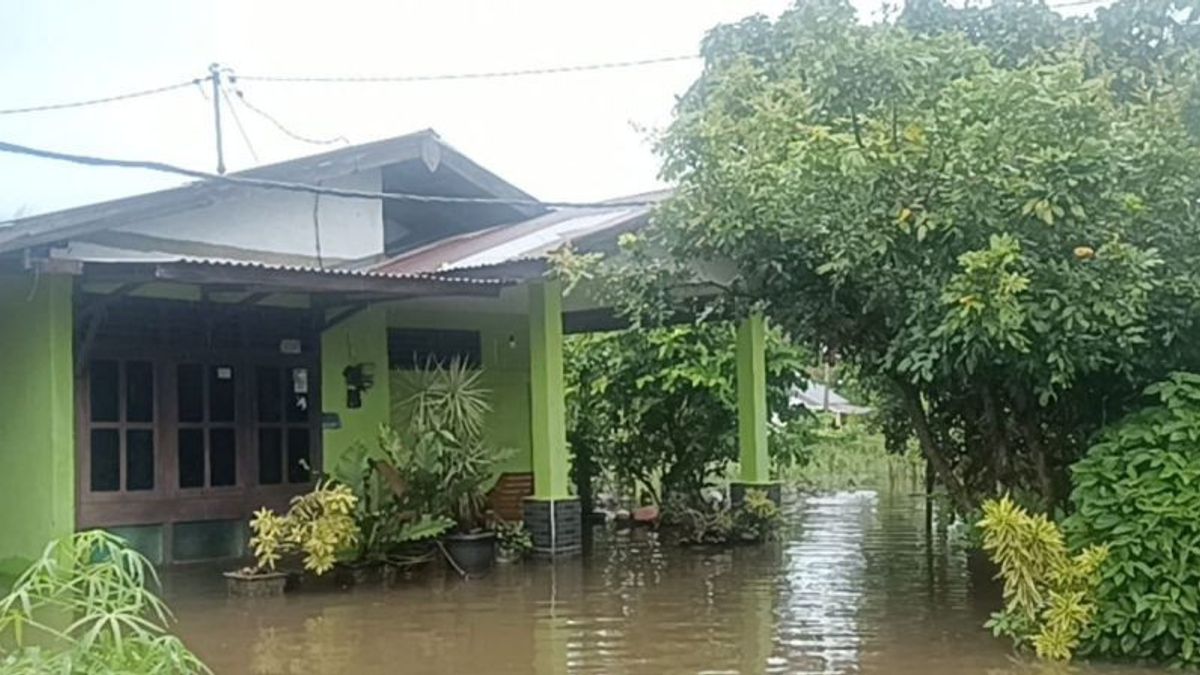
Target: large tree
990,214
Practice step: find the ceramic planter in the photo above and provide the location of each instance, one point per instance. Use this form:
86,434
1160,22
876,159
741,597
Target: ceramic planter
473,553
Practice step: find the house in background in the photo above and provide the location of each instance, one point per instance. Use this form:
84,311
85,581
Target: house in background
818,397
173,361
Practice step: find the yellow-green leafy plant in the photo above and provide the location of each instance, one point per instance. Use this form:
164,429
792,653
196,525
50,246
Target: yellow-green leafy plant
758,519
269,540
319,525
1049,594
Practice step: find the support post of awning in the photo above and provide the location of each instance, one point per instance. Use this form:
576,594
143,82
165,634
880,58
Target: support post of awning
753,452
551,514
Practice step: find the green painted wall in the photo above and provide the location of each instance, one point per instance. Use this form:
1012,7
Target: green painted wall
505,342
37,438
360,339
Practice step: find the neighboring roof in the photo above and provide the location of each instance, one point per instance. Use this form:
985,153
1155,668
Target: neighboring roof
425,144
814,398
526,241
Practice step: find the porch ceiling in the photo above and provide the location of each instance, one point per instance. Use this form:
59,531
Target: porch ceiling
257,278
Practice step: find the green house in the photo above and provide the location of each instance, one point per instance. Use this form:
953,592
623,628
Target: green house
174,360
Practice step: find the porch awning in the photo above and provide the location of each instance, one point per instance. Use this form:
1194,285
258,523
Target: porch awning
261,278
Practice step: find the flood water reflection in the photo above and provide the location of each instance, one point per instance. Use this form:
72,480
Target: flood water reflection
854,587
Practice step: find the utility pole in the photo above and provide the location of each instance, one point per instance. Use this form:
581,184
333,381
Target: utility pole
214,71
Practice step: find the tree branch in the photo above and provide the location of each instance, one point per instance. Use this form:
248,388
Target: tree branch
916,413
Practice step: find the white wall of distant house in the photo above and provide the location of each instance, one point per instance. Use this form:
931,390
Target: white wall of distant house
280,223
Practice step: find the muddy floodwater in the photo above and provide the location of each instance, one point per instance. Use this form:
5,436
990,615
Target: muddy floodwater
854,587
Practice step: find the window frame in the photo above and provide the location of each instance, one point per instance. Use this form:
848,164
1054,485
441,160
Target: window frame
471,356
167,502
121,425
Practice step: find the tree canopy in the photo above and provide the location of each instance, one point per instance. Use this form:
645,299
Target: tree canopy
989,213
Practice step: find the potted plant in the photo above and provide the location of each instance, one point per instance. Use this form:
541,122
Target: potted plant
513,542
318,526
452,465
383,513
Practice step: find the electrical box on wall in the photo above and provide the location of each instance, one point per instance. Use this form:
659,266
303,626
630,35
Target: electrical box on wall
359,378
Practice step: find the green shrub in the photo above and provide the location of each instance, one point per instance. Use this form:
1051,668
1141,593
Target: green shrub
116,624
513,539
756,520
1138,491
1048,593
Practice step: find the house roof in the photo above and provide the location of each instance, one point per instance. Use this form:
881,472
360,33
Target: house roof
425,144
816,397
519,249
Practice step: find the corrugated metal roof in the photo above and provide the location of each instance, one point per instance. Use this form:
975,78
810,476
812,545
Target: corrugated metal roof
526,240
334,271
816,396
219,263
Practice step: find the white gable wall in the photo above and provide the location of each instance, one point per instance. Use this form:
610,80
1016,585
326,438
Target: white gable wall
272,221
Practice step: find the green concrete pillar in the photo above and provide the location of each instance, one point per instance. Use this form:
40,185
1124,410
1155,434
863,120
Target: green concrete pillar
552,515
754,456
547,405
752,400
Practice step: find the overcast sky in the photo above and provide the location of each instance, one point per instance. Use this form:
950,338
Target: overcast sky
577,136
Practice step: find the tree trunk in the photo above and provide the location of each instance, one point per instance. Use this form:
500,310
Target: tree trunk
916,413
1037,449
1031,433
997,438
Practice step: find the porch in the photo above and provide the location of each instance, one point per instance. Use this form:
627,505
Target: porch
167,401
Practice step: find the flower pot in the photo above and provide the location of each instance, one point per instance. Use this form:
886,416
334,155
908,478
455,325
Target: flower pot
505,556
474,554
363,573
262,585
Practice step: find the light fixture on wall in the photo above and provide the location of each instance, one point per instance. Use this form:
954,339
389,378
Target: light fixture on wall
359,378
512,341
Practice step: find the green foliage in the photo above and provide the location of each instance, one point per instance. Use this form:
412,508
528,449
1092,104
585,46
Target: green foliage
988,213
385,515
756,520
658,408
442,460
1049,595
701,523
513,539
848,457
84,607
319,525
446,397
1136,491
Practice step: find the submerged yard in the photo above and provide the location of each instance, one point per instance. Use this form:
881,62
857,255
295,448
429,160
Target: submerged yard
853,587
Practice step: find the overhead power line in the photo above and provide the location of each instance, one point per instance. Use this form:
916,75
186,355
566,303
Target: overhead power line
237,120
482,75
263,183
107,99
279,125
